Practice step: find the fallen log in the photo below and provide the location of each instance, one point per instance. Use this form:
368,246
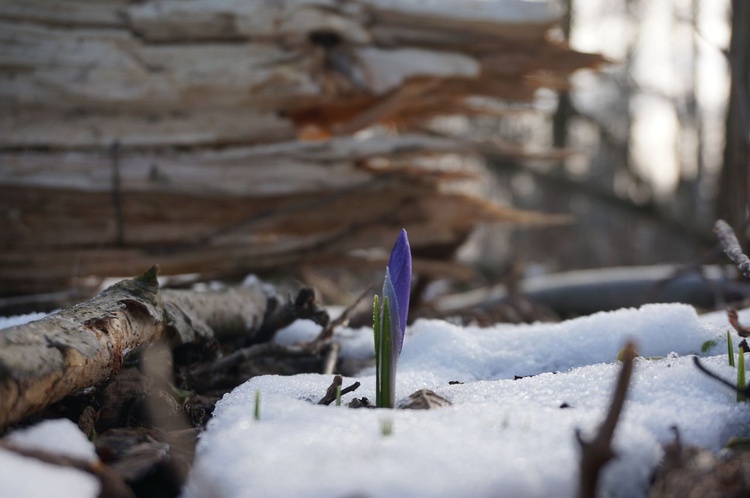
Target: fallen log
43,361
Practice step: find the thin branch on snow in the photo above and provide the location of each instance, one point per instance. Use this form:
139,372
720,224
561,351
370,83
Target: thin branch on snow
112,483
714,376
327,332
596,452
734,321
330,395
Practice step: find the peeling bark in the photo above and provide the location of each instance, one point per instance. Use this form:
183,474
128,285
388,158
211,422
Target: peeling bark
43,361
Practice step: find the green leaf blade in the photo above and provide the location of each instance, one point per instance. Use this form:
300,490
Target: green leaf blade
741,383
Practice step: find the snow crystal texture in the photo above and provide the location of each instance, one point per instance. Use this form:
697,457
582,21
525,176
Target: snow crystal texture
501,437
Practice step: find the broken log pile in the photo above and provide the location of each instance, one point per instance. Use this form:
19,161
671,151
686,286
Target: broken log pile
220,137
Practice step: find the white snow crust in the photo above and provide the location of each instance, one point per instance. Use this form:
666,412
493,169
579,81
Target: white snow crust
501,437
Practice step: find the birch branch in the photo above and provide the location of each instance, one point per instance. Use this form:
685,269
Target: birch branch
731,246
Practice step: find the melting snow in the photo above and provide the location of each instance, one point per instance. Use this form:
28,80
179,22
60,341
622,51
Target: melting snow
501,437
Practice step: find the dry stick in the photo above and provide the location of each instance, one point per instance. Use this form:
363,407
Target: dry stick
343,318
731,246
330,395
351,388
331,358
112,484
714,376
303,306
244,354
734,321
326,335
598,451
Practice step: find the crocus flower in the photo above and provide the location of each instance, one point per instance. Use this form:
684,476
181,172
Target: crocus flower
389,320
397,284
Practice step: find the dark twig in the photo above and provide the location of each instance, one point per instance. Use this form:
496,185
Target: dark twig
325,336
734,321
112,483
351,388
342,319
598,451
716,377
732,247
330,395
244,354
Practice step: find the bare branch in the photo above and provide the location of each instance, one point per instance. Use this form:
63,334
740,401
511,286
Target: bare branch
244,354
714,376
112,484
351,388
343,318
598,451
731,246
734,321
330,395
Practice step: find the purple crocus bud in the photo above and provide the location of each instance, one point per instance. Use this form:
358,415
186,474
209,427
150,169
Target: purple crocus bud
397,288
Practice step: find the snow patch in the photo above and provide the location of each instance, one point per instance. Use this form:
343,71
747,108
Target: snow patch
501,437
25,477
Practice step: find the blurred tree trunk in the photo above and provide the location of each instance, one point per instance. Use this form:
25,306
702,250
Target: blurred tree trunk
564,109
733,194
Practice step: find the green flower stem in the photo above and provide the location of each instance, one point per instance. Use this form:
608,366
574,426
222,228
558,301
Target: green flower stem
376,330
384,372
741,384
386,397
730,349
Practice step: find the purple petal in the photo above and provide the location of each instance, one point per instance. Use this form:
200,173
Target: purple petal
399,267
397,333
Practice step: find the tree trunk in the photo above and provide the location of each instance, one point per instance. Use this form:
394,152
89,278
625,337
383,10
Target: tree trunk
733,194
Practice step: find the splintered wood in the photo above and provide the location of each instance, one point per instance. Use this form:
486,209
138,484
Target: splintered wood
217,136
